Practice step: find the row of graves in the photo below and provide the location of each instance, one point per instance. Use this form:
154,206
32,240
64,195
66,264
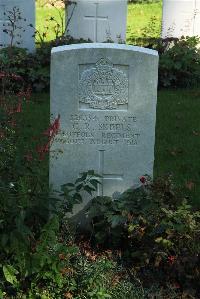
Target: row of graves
97,20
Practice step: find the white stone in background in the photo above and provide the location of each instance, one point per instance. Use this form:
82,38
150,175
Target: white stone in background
98,20
197,19
25,37
181,18
106,96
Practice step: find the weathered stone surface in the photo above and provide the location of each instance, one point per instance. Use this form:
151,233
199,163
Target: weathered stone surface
106,96
181,18
23,35
98,20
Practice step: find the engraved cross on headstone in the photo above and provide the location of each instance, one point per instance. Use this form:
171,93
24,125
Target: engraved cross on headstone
105,176
96,17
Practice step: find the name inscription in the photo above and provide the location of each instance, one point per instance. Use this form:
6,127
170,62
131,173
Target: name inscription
101,130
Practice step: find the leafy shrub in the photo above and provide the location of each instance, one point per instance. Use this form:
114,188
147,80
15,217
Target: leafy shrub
180,63
32,68
154,228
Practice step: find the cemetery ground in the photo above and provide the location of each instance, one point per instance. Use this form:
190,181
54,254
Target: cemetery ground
61,264
146,246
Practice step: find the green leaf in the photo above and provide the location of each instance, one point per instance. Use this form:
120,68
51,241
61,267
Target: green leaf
84,176
78,197
90,172
10,274
78,187
88,189
79,180
94,183
116,220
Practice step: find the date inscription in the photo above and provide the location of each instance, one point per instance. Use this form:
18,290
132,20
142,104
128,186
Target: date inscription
101,130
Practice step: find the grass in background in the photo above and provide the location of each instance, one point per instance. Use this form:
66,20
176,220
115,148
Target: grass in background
177,148
35,120
143,19
43,14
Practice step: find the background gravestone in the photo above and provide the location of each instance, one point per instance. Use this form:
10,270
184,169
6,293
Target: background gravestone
24,33
98,20
106,96
181,18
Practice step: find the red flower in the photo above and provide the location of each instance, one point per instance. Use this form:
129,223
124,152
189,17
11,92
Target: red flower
50,132
177,285
143,180
171,259
25,95
53,128
19,108
2,75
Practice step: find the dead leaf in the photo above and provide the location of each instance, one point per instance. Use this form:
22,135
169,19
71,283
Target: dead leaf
68,295
190,185
157,261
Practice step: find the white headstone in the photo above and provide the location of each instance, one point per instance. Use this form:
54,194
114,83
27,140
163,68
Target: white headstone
181,18
106,96
98,20
23,34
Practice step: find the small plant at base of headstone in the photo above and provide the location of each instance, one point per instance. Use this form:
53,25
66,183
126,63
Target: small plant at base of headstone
71,192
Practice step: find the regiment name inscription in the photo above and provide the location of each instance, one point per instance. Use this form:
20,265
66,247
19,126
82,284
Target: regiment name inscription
106,129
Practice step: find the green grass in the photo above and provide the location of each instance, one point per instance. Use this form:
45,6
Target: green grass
43,25
143,19
35,120
177,148
178,139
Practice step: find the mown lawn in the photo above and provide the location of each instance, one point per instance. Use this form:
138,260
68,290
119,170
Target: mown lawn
143,19
177,148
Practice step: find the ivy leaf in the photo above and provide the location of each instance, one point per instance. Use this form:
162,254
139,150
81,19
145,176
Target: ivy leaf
10,274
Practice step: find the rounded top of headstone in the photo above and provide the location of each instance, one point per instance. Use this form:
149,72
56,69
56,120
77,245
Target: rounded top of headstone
103,46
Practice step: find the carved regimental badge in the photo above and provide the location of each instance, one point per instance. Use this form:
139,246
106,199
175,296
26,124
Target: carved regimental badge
103,86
